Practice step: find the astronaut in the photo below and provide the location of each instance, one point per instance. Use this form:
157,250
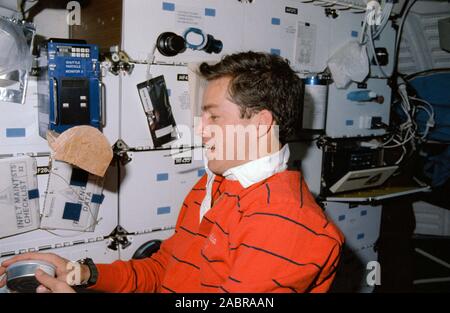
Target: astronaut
250,223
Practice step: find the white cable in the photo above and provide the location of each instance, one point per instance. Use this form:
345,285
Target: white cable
388,141
430,113
431,280
424,101
372,46
150,60
363,30
387,10
430,121
400,29
432,257
411,136
385,14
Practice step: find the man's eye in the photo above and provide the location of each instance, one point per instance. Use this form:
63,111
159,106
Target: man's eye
213,117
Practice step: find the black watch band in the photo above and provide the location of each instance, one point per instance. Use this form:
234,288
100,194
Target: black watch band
93,271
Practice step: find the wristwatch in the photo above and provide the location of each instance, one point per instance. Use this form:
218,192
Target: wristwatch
92,269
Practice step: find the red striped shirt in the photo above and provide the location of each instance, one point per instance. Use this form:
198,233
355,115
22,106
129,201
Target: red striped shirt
269,237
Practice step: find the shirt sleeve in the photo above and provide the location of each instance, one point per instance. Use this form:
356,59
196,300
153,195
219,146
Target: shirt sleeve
144,275
277,253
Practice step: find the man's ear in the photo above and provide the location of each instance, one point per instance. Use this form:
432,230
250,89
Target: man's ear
264,120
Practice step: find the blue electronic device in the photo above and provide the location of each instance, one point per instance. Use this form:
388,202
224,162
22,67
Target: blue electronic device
70,91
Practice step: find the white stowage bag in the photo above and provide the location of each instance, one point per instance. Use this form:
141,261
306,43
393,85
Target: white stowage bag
349,63
15,52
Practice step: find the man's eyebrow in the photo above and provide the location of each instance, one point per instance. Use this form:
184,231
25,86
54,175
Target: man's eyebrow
209,106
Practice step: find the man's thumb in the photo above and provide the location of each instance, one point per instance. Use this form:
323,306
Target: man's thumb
46,280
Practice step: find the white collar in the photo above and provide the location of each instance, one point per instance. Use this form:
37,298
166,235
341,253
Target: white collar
247,174
257,170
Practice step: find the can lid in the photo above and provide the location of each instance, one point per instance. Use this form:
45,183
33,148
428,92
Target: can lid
21,275
29,267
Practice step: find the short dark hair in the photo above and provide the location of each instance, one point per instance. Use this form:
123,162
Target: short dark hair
261,81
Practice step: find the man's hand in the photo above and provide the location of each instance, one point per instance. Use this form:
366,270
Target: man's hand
49,284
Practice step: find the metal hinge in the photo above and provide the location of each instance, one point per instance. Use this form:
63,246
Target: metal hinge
119,236
120,149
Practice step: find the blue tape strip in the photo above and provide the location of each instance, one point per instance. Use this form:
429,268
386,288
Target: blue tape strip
363,213
210,12
275,51
163,210
72,211
15,132
33,194
162,177
341,217
201,172
360,236
97,198
349,122
168,6
169,92
354,33
276,21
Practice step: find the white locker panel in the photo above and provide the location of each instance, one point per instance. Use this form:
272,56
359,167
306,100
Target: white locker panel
144,21
133,124
19,131
42,240
361,228
311,163
278,21
98,251
360,224
138,240
153,189
112,106
347,118
348,26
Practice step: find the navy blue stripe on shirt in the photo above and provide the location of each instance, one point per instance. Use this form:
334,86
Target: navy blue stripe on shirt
213,286
185,262
162,286
292,221
280,285
274,254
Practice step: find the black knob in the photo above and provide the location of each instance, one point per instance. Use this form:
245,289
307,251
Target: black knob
170,44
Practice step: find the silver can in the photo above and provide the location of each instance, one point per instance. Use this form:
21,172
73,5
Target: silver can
20,275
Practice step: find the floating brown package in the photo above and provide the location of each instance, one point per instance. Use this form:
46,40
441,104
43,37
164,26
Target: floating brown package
82,146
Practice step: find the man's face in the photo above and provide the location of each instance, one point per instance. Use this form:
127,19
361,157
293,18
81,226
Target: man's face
223,130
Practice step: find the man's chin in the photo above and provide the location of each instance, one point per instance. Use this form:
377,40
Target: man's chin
215,166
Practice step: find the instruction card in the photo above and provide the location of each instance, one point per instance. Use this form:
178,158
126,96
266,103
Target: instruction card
19,196
72,199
